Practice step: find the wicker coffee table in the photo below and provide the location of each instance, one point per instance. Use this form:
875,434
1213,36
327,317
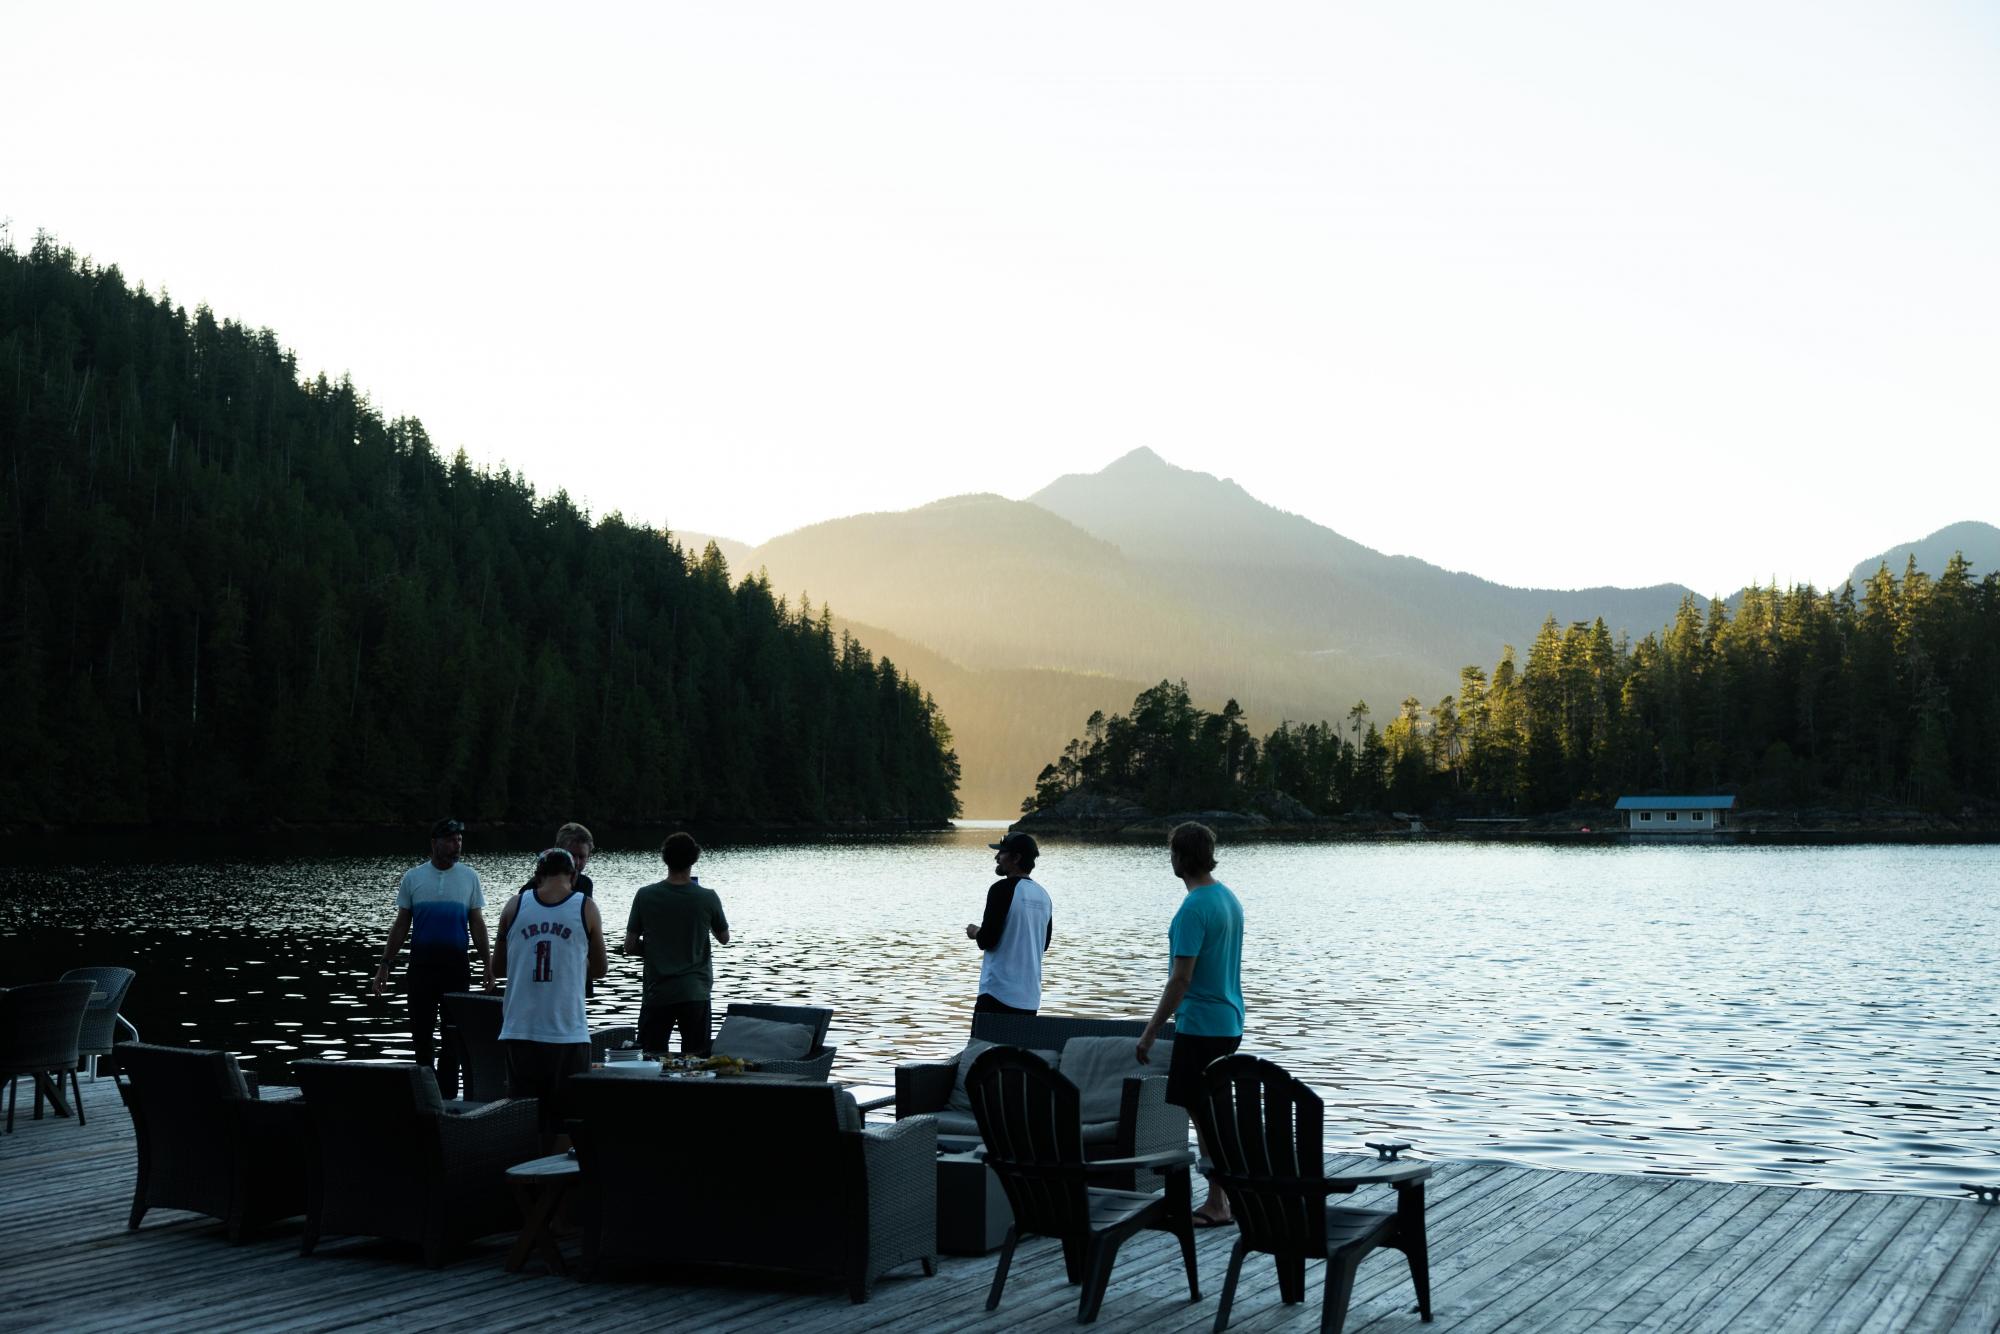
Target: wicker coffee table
972,1210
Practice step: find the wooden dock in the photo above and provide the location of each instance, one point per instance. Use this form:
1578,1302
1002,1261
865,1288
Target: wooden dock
1512,1248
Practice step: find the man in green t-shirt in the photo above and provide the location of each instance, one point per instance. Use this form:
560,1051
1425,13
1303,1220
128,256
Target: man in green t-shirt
671,925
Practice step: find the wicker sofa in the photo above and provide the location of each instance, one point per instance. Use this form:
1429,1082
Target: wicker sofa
207,1143
393,1159
767,1175
1133,1118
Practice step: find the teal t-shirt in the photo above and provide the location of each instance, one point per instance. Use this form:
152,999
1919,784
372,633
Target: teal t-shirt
1209,929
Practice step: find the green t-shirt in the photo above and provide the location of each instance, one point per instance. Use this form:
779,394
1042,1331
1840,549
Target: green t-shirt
676,925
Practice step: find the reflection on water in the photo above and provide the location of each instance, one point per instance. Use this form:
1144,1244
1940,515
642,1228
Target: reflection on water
1796,1016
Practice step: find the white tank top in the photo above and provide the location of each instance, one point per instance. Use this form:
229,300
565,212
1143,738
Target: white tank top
548,958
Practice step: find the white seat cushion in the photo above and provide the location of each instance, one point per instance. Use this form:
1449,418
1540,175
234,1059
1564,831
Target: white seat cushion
961,1101
762,1039
1099,1068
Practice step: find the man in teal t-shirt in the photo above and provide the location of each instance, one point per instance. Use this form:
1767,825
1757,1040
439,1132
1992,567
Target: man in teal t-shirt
1204,991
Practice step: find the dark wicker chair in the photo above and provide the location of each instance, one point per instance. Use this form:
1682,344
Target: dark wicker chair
1031,1120
472,1029
472,1022
817,1063
1264,1129
101,1018
1147,1123
40,1023
207,1142
392,1159
774,1176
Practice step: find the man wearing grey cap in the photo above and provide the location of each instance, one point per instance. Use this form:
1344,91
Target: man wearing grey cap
1015,932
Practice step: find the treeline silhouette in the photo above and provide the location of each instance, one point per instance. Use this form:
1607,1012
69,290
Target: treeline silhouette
1798,697
229,593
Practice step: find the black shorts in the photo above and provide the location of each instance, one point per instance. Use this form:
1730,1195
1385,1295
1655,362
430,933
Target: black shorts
1192,1055
539,1069
659,1019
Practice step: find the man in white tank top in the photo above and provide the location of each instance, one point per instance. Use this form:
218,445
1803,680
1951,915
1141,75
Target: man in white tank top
551,942
1015,932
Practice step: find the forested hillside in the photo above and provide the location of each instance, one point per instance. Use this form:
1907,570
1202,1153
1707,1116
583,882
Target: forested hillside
1799,698
231,593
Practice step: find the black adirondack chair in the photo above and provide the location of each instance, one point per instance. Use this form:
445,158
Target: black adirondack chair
1264,1131
1031,1121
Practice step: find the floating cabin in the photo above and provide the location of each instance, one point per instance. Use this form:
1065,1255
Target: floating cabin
1674,815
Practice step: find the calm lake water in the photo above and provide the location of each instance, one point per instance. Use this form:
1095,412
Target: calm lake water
1804,1016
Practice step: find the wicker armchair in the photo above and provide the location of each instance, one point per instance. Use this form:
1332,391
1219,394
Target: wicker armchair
39,1026
100,1017
817,1063
472,1022
472,1029
392,1159
207,1143
1147,1123
777,1176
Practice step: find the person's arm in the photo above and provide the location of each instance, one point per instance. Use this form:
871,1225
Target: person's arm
718,925
398,929
999,901
475,922
496,972
634,937
1049,934
593,923
1171,997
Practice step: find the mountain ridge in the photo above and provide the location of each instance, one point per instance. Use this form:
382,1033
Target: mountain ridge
1105,582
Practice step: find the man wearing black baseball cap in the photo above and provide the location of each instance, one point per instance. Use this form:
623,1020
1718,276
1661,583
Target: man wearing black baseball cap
1015,932
441,908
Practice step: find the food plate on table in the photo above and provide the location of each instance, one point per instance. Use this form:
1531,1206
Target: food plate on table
703,1067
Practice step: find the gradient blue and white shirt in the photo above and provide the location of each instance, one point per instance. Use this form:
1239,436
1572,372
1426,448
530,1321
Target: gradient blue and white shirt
439,903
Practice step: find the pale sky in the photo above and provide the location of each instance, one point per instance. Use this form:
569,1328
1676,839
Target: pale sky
1561,294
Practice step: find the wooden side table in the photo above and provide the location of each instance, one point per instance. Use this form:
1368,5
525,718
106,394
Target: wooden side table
540,1185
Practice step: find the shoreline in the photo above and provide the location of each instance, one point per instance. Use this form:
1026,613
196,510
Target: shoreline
1593,837
1759,828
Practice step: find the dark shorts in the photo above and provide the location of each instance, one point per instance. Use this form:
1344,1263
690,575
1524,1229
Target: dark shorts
1192,1055
987,1005
659,1019
538,1070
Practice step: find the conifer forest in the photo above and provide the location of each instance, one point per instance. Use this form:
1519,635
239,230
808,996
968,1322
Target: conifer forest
1794,697
233,592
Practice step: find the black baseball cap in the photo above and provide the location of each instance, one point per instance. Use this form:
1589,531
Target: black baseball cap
446,828
1021,845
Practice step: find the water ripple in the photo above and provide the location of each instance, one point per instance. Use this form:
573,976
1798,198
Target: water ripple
1803,1016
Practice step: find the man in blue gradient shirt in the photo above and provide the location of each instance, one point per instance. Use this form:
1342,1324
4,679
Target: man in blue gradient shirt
440,908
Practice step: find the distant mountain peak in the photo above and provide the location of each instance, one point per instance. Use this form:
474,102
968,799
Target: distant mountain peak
1979,541
1142,457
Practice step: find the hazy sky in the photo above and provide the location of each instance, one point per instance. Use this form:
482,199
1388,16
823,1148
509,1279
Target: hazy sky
1558,293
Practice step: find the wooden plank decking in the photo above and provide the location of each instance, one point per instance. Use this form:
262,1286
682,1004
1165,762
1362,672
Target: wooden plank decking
1512,1248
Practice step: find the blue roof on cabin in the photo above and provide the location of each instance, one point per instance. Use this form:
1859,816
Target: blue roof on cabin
1675,803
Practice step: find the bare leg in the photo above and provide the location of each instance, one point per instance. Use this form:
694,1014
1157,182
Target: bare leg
1216,1207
